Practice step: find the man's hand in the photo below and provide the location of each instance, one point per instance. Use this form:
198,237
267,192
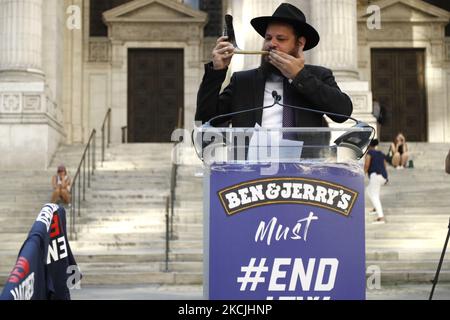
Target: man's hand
288,65
222,53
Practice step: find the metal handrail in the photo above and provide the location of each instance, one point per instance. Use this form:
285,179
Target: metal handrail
106,121
80,174
173,174
167,231
170,207
170,200
173,185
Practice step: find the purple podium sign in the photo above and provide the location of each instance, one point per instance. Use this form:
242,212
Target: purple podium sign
298,234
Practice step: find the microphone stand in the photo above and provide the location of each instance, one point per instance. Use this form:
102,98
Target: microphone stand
208,125
436,277
347,138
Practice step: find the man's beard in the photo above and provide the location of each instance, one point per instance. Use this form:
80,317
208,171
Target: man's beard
269,69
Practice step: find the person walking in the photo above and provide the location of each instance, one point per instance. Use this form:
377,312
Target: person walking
375,167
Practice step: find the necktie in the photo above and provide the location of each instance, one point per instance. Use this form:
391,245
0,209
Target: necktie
288,119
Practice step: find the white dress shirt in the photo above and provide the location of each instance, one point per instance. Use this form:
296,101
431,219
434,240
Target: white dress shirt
273,117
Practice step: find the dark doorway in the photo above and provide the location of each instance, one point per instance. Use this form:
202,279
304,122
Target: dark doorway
155,94
398,83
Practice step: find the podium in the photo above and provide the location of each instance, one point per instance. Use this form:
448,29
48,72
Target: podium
283,213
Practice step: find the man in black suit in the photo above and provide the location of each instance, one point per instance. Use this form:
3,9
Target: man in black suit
286,35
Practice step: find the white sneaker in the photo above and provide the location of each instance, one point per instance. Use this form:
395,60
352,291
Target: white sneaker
379,221
399,167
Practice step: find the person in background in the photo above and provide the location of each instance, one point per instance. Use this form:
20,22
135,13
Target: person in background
375,167
378,112
61,186
398,152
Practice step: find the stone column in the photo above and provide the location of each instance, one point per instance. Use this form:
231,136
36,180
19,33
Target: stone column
21,39
335,20
30,128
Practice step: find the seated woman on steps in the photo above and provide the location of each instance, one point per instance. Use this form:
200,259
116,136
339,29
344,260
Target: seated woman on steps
398,152
61,186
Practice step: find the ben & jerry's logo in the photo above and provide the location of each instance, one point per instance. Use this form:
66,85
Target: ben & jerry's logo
313,192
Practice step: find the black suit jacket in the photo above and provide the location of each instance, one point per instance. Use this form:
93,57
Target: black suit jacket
314,87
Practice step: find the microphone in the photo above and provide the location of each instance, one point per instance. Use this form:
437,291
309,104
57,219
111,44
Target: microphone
275,96
354,140
278,98
207,124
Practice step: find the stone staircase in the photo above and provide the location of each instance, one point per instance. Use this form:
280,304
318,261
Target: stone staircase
417,208
121,232
22,195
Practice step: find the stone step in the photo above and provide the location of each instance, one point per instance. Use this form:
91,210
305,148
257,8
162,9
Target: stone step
411,277
117,233
404,244
373,235
104,204
132,256
411,221
190,231
9,257
134,175
140,234
156,266
408,265
154,244
166,278
119,184
137,203
153,191
125,246
135,278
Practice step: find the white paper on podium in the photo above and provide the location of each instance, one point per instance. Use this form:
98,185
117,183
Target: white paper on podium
269,145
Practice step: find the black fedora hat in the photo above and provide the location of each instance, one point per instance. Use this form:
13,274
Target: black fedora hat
290,14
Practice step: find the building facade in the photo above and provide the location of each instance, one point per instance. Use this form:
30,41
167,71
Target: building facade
64,63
